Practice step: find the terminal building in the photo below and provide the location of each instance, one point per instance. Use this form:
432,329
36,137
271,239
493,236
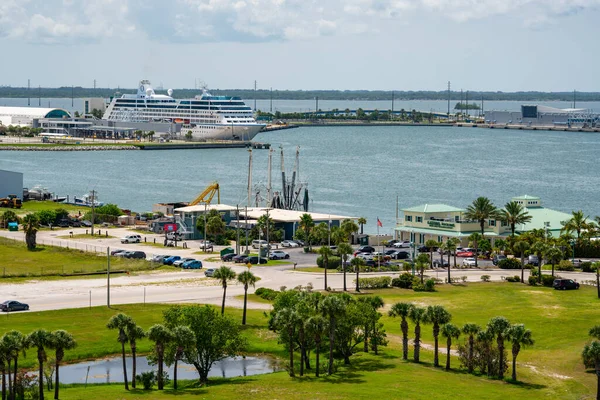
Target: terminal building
11,183
532,115
25,116
440,222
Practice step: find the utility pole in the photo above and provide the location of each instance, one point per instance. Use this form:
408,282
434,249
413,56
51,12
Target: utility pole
108,277
39,95
249,176
316,105
461,103
93,195
204,238
574,102
448,99
237,241
254,96
246,229
467,103
94,86
28,95
72,88
392,104
271,104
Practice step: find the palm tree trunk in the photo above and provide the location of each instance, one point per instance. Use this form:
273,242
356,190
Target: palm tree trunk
302,352
317,351
514,367
357,270
431,258
552,269
404,327
344,268
417,342
539,269
454,260
374,343
56,379
134,366
160,370
500,357
471,346
9,379
482,224
291,350
449,278
14,391
366,339
41,376
436,359
223,303
598,380
522,267
449,345
331,339
124,366
175,374
245,304
325,272
3,381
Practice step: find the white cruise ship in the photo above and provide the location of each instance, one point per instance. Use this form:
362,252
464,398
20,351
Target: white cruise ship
207,117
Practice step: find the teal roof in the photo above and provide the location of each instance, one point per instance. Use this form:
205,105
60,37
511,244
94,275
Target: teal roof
443,232
540,215
433,208
526,197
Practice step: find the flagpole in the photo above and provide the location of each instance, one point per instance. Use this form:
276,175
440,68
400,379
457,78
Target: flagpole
378,258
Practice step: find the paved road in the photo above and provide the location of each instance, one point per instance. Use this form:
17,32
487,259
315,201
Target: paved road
185,286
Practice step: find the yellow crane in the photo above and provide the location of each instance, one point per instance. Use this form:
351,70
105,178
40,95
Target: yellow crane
207,195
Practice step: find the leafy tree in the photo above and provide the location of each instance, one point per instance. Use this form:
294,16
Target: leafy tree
553,255
247,278
325,252
449,331
134,333
480,210
31,225
306,224
514,214
577,223
320,234
402,310
188,136
15,343
224,274
521,246
332,307
287,320
216,336
348,227
215,226
265,226
421,262
41,339
370,319
161,336
344,250
61,341
485,338
4,368
46,217
595,332
591,355
316,326
472,330
418,315
437,315
8,216
431,244
183,339
120,322
357,263
499,326
539,248
348,334
452,244
362,221
518,336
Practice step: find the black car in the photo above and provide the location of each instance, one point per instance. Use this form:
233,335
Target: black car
12,305
390,252
375,264
565,284
228,257
135,254
441,264
366,249
240,258
257,260
63,223
400,255
425,249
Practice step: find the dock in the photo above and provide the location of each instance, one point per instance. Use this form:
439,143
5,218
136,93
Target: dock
532,127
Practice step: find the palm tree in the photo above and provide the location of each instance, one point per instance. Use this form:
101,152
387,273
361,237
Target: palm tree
183,338
420,263
134,333
518,336
348,227
246,278
481,210
373,304
361,221
16,343
539,248
357,263
287,319
437,315
161,336
553,255
61,341
498,326
577,223
4,359
325,252
402,310
120,322
475,237
316,326
40,339
591,352
514,214
418,315
485,338
332,307
449,331
521,246
471,330
224,274
344,250
451,245
431,244
31,224
595,332
306,224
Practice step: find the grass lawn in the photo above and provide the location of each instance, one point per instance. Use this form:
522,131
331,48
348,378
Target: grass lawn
34,205
320,270
17,261
552,368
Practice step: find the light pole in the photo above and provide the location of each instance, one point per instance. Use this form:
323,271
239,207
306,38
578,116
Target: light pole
204,238
572,241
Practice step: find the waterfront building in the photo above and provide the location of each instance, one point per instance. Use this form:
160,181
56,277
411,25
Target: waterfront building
11,183
536,115
440,222
24,116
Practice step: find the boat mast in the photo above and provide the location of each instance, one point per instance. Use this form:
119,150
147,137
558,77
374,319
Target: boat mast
250,177
283,189
270,164
294,173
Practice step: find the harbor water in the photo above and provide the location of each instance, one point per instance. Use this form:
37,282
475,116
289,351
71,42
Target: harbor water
354,171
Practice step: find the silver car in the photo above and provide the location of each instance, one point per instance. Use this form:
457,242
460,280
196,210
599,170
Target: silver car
209,272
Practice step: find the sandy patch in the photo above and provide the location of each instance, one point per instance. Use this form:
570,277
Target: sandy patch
545,373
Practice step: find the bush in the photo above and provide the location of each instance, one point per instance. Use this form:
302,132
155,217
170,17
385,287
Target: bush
587,266
565,265
266,293
332,263
428,286
509,263
148,379
515,278
548,280
380,282
404,281
532,281
486,278
46,217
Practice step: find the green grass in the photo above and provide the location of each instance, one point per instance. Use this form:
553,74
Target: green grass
33,206
317,269
17,261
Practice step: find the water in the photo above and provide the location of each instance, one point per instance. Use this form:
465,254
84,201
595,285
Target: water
354,171
110,370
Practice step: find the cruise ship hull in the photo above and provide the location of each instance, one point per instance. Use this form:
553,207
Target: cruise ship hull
224,132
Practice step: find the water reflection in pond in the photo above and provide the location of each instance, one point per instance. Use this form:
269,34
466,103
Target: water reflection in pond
110,370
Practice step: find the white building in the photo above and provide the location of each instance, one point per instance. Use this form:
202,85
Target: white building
24,116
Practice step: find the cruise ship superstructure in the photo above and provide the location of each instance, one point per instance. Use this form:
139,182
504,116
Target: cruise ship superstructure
207,117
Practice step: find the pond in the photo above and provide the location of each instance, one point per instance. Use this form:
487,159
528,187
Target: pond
110,370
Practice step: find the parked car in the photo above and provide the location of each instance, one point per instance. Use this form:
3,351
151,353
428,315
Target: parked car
192,264
565,284
181,261
257,260
400,255
299,242
364,256
240,258
392,242
469,262
135,254
131,239
86,223
228,257
533,260
12,305
278,255
366,249
289,243
389,252
173,236
63,223
158,258
425,249
114,252
259,243
441,264
403,244
171,259
374,263
209,272
207,246
120,253
464,253
496,259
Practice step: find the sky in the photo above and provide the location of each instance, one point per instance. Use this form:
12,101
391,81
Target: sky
503,45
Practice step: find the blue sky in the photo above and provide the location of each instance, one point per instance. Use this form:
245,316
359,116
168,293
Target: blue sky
507,45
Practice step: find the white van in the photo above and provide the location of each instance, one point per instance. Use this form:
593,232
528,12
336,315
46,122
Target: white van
259,243
131,239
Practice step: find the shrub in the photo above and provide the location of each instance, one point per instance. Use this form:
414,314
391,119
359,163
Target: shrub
266,293
486,278
404,281
587,266
532,281
332,262
428,286
509,263
565,265
46,217
515,278
464,278
148,379
379,282
548,280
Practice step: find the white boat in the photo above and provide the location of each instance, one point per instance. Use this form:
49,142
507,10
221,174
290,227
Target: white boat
86,200
206,117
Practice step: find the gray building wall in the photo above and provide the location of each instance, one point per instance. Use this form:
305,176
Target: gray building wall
11,183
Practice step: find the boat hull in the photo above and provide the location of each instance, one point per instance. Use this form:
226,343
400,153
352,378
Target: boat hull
224,132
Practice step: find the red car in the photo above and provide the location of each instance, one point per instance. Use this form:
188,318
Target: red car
464,254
